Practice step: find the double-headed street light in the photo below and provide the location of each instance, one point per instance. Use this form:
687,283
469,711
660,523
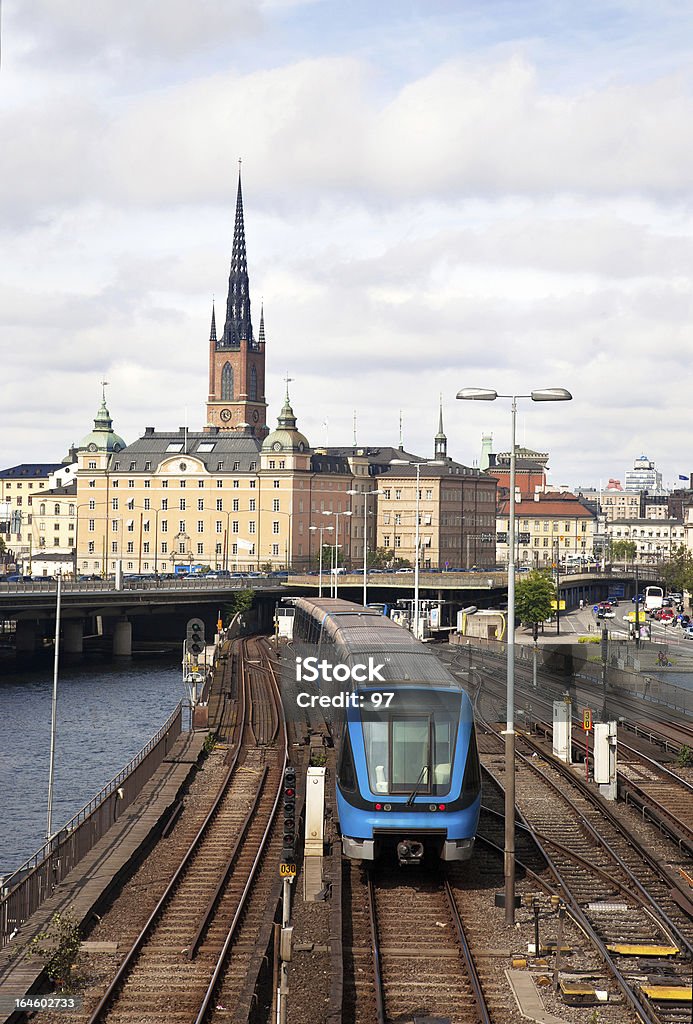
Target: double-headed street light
322,529
335,573
486,395
366,496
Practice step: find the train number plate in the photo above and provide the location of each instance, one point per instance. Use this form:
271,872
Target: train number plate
287,870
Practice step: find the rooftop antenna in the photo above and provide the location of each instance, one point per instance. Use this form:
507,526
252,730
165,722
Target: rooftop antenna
401,442
354,428
185,433
326,425
104,385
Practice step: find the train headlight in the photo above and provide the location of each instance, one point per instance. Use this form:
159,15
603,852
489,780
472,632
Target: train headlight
432,807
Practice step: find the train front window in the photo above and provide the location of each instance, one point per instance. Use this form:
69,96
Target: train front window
410,755
410,751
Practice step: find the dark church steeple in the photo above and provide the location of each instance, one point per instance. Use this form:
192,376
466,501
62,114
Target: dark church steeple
236,399
441,441
238,326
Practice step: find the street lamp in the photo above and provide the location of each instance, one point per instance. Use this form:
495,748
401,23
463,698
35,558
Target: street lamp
336,549
486,395
322,529
366,496
417,537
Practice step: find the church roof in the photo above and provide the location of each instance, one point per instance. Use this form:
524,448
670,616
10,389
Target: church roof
238,326
102,437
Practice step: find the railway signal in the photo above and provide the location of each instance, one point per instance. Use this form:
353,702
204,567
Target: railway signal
288,856
195,636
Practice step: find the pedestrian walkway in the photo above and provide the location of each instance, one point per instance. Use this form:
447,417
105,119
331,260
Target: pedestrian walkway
106,866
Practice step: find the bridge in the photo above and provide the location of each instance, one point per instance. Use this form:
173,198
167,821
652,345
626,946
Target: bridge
159,608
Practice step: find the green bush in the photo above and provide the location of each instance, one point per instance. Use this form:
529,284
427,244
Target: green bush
58,948
589,639
684,758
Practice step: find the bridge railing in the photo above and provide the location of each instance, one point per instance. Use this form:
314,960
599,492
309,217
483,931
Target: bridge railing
26,888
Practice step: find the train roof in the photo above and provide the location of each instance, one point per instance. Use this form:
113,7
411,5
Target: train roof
364,631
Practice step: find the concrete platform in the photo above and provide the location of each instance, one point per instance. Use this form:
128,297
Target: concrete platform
104,867
528,999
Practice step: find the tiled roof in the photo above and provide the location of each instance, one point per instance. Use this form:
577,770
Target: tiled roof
30,471
546,509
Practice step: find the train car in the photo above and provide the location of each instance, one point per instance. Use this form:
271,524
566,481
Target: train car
408,776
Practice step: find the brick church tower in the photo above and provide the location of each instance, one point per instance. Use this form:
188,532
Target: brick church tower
236,399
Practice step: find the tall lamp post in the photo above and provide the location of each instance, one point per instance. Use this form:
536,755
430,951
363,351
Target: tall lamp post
417,532
334,586
321,529
366,496
486,395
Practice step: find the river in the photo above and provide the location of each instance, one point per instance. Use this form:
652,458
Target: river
107,711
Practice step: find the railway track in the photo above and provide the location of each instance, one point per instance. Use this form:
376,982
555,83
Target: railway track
616,892
219,897
409,955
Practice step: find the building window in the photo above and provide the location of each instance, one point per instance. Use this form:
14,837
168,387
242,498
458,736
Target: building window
251,527
114,547
275,549
251,484
251,504
217,549
92,483
275,483
398,518
145,547
200,548
386,540
227,383
116,483
114,525
181,526
147,467
220,483
131,525
164,483
234,526
275,526
235,505
429,494
147,483
200,483
200,504
398,542
92,465
131,483
282,463
147,504
220,504
164,525
275,504
181,504
131,549
252,387
220,466
235,483
398,494
200,526
181,547
164,504
130,504
272,464
218,526
164,547
91,547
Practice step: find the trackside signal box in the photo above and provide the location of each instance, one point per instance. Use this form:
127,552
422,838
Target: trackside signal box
315,812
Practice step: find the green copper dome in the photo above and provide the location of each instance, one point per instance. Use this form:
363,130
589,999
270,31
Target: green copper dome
102,438
286,437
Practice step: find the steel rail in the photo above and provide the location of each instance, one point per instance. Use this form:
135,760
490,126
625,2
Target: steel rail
579,916
220,966
375,937
131,956
482,1007
211,907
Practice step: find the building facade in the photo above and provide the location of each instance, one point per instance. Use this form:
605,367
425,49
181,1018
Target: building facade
656,539
549,529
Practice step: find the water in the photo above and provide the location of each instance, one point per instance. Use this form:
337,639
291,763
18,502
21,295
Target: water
107,711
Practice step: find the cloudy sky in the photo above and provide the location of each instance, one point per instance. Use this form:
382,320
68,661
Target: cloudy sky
438,194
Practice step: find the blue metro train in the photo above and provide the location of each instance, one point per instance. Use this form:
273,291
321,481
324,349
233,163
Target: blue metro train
408,772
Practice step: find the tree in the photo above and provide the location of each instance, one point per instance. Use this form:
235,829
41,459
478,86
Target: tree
242,601
677,573
535,595
622,550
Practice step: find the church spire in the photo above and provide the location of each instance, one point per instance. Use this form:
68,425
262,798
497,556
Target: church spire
441,441
261,335
213,328
238,326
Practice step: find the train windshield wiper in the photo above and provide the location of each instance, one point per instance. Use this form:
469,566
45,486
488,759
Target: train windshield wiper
415,790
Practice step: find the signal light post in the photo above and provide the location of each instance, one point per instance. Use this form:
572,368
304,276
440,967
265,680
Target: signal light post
287,872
